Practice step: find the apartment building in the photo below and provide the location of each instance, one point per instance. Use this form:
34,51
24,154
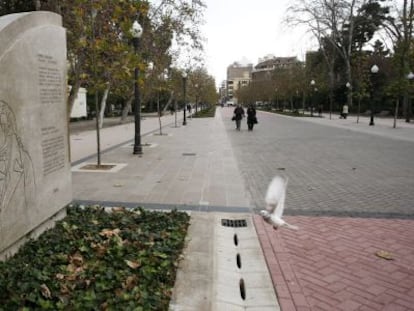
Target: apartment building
268,64
238,75
223,91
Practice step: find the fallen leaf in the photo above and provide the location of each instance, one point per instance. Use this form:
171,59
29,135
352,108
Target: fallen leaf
45,291
109,232
99,249
77,259
385,255
118,209
133,264
130,282
64,289
60,276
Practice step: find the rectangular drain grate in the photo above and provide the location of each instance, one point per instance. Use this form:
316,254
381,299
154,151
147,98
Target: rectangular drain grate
189,154
235,223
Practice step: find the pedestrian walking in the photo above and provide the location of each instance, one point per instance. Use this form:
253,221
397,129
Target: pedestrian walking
344,113
251,117
320,110
238,115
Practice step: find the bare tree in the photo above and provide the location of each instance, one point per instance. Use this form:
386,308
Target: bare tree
333,24
400,29
319,20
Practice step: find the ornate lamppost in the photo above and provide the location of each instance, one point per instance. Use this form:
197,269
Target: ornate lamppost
136,32
184,75
348,90
312,83
410,78
374,71
196,97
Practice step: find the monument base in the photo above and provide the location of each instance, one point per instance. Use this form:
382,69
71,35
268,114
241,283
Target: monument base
34,234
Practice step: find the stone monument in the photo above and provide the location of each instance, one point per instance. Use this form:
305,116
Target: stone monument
35,177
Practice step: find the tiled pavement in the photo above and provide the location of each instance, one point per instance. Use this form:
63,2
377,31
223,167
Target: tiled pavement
350,192
331,263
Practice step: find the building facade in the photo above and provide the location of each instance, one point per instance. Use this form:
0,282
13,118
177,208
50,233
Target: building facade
223,92
268,64
238,75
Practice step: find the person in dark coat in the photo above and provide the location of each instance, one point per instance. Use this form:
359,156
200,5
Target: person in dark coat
238,116
251,117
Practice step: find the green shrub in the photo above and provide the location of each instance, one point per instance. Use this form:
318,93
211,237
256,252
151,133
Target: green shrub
206,113
124,260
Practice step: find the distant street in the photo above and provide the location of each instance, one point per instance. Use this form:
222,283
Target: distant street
332,171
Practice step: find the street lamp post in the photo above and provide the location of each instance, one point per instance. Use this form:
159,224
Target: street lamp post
296,101
348,90
410,78
374,71
136,32
277,99
196,97
312,83
184,75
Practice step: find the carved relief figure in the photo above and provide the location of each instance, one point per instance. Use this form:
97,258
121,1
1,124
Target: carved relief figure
17,183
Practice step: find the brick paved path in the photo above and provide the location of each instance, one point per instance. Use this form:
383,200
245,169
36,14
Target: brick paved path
331,262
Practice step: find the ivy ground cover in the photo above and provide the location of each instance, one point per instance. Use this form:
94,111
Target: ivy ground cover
95,260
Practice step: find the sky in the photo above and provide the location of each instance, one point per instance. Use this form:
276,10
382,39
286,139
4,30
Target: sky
246,30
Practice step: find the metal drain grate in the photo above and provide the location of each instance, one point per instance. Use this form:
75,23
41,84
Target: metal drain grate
235,223
189,154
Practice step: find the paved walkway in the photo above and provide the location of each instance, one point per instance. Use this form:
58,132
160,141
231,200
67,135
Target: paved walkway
190,166
331,263
383,127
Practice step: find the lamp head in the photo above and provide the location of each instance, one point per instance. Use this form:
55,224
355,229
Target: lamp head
348,85
136,30
374,69
410,76
184,75
312,82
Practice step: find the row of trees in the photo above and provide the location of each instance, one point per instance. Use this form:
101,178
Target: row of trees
100,53
353,35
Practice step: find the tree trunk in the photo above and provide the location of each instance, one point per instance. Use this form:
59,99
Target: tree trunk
175,112
331,90
37,5
159,112
396,113
103,106
303,102
170,100
359,107
126,109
